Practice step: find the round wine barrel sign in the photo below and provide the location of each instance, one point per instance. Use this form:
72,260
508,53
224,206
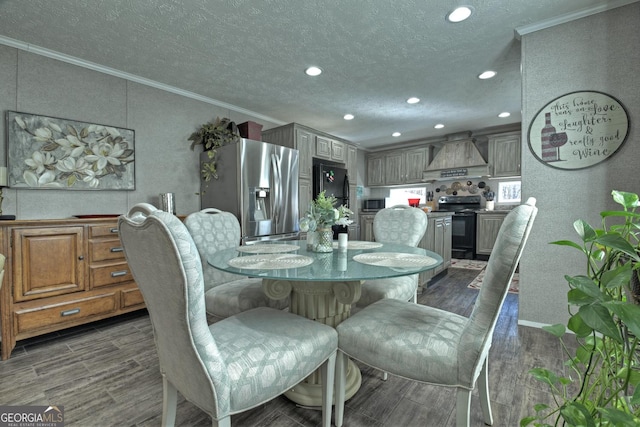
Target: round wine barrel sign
578,130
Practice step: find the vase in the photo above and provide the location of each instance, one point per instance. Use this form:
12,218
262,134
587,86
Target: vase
490,205
312,240
324,240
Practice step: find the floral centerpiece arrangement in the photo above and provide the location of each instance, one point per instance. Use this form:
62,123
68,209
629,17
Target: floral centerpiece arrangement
319,219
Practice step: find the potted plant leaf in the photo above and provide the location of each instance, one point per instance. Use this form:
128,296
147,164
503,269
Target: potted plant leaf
604,359
211,136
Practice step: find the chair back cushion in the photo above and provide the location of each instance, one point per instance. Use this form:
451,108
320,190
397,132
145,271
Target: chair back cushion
400,224
213,230
510,243
166,266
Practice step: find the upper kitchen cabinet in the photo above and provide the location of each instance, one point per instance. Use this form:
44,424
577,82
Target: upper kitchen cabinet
352,163
397,167
330,149
375,169
505,154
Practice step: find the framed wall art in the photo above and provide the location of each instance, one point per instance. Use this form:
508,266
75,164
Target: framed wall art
53,153
578,130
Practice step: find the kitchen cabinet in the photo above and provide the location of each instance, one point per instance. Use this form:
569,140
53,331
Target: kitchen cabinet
366,227
62,273
330,149
437,239
505,154
375,170
487,227
397,167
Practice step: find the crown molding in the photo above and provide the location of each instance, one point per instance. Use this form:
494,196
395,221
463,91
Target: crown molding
130,77
568,17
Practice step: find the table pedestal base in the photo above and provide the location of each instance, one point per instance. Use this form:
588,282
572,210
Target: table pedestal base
325,302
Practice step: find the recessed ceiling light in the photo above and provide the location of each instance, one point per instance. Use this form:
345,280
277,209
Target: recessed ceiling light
459,14
504,114
487,75
313,71
413,100
396,134
439,126
349,116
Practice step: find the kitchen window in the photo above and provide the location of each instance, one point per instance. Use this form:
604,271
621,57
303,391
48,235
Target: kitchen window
401,196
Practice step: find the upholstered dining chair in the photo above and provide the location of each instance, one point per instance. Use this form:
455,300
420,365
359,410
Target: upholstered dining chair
397,224
226,294
232,365
434,346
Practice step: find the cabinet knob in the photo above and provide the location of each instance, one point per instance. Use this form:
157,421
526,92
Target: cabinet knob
81,257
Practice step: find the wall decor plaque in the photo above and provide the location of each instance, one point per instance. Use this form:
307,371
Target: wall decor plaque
578,130
52,153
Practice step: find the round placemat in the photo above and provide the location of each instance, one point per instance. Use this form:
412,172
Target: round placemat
265,248
270,261
359,244
390,259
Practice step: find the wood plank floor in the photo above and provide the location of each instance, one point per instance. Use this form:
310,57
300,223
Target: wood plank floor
106,374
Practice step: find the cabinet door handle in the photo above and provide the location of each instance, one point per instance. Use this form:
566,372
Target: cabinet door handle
81,257
119,249
114,230
70,312
119,273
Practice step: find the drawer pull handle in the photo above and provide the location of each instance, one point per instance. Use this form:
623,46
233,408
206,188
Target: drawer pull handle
117,249
70,312
119,273
114,230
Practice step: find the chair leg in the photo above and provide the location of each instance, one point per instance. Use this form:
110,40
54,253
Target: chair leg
328,371
222,422
341,379
169,403
483,390
463,407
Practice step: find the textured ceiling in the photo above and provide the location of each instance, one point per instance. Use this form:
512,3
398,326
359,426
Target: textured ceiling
251,54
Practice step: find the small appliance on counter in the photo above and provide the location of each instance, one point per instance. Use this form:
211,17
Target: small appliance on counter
373,205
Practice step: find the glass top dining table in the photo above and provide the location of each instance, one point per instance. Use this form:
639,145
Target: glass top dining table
291,260
322,286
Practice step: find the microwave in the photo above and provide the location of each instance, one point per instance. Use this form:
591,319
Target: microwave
373,204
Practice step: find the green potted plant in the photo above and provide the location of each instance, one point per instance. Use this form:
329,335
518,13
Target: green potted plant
319,219
604,363
211,136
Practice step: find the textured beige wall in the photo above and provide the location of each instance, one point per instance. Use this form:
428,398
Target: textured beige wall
597,53
162,122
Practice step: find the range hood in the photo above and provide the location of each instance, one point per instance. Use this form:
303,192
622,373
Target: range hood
458,158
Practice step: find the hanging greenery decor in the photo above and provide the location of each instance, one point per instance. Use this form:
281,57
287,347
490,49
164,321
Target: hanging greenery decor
211,136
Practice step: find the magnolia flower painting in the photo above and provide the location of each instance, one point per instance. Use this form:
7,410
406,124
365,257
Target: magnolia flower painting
52,153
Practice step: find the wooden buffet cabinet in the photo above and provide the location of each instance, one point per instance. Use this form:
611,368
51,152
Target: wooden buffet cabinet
62,273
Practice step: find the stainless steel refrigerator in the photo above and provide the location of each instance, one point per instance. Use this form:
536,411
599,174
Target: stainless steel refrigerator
257,182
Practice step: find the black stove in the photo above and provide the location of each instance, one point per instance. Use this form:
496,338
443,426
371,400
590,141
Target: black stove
463,223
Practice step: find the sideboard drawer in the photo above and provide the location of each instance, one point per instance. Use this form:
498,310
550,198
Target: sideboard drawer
103,250
106,230
132,297
72,311
109,274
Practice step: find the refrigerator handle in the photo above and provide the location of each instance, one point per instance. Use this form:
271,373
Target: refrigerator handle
277,197
345,191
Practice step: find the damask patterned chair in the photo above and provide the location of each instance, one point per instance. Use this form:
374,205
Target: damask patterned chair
397,224
435,346
225,294
230,366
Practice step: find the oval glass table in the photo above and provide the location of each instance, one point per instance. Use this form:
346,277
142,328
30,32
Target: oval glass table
322,286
